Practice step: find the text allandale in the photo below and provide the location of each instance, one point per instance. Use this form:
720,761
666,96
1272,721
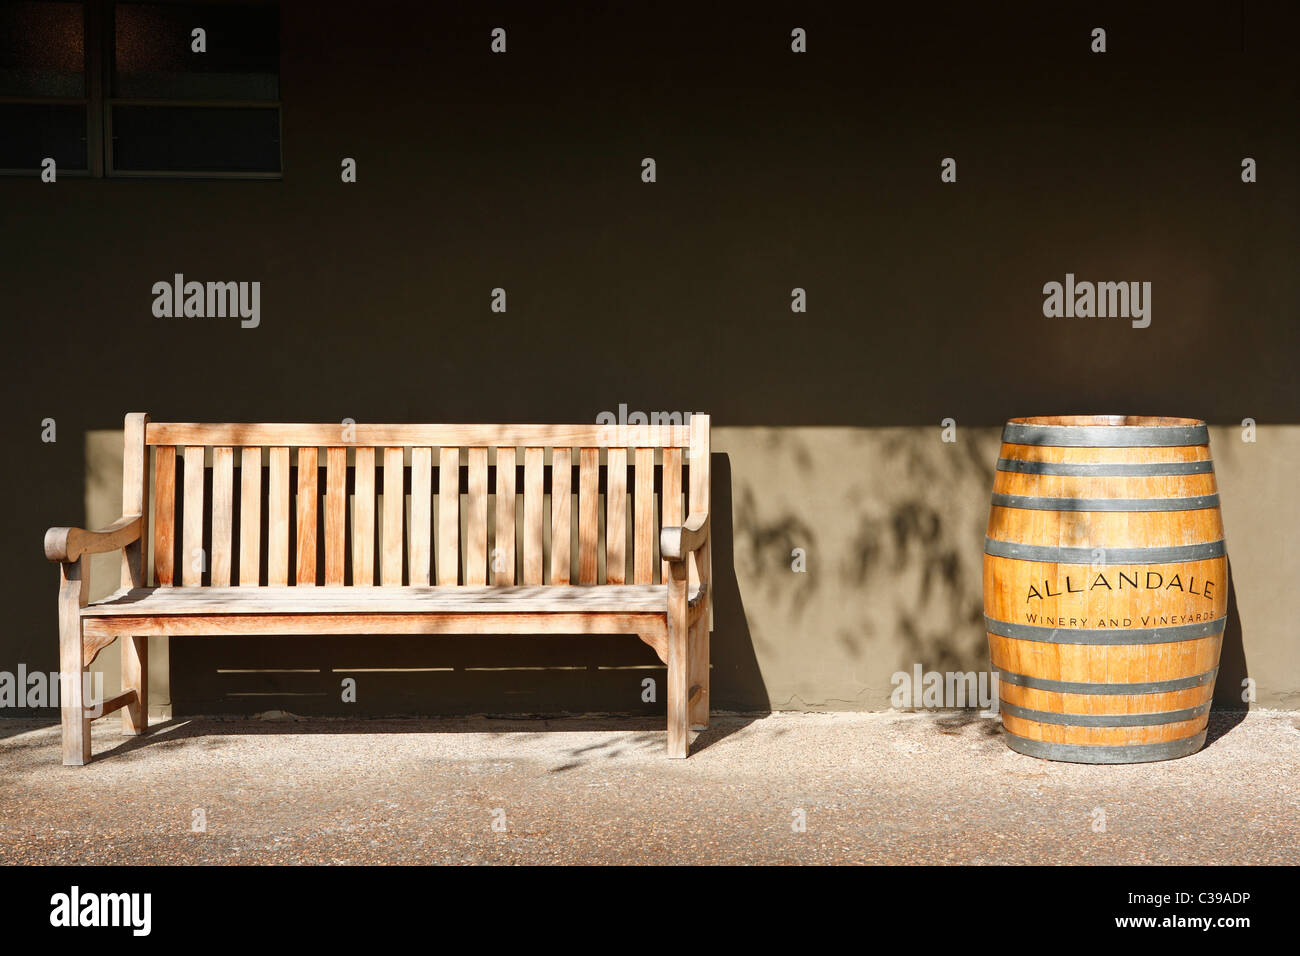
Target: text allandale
1135,582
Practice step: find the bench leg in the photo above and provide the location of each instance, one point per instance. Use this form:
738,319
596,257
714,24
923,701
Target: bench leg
135,676
678,662
699,652
72,703
699,673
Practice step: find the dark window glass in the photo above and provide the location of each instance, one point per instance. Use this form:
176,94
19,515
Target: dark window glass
196,139
30,132
42,49
154,59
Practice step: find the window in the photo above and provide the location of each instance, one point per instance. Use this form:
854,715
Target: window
141,89
45,102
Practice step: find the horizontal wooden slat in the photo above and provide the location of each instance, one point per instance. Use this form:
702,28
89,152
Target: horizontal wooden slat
649,626
312,434
393,600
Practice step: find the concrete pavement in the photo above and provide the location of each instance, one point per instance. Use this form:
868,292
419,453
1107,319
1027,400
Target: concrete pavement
891,788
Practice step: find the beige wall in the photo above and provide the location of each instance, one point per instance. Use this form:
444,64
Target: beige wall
891,522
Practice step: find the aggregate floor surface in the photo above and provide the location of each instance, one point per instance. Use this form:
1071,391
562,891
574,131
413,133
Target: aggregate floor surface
894,788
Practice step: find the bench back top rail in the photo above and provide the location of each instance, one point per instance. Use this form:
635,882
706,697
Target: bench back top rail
673,434
257,505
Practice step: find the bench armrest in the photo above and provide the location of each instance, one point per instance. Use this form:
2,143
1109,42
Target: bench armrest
676,543
69,544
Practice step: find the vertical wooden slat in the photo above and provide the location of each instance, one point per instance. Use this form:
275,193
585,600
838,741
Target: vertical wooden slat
363,519
561,513
476,518
534,491
588,514
250,517
135,492
421,515
308,461
164,514
448,516
616,516
277,517
671,496
643,531
193,557
394,517
223,514
503,552
336,516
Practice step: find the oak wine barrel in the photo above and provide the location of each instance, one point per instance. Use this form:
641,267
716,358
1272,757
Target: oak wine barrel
1105,586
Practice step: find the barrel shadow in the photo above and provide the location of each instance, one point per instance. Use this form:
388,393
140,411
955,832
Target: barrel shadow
1229,709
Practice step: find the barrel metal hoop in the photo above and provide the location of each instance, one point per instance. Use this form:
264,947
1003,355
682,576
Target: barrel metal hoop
1101,635
1056,554
1106,469
1105,436
1032,503
1086,687
1127,753
1106,720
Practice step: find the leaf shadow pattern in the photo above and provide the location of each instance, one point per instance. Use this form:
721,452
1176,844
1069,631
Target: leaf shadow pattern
920,554
768,549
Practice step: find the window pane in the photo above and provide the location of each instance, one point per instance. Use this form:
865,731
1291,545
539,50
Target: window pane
154,59
30,132
42,49
196,139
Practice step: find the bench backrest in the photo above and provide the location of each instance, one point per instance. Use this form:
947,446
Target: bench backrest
254,505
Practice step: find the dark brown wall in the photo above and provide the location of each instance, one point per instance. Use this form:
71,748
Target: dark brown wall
775,171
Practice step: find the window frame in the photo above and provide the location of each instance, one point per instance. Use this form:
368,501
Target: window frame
94,130
99,24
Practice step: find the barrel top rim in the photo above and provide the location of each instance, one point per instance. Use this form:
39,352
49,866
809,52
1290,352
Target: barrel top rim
1106,421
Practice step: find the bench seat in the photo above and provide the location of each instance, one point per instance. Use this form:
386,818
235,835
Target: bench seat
605,598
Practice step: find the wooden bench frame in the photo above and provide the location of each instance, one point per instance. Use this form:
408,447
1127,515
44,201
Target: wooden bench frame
672,617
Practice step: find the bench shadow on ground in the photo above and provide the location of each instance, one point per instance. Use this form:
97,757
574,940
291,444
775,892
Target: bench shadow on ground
627,734
528,677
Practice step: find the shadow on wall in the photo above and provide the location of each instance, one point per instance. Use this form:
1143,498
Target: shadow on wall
736,682
468,674
938,616
1233,673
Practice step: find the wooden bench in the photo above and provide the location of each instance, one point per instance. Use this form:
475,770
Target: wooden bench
230,569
